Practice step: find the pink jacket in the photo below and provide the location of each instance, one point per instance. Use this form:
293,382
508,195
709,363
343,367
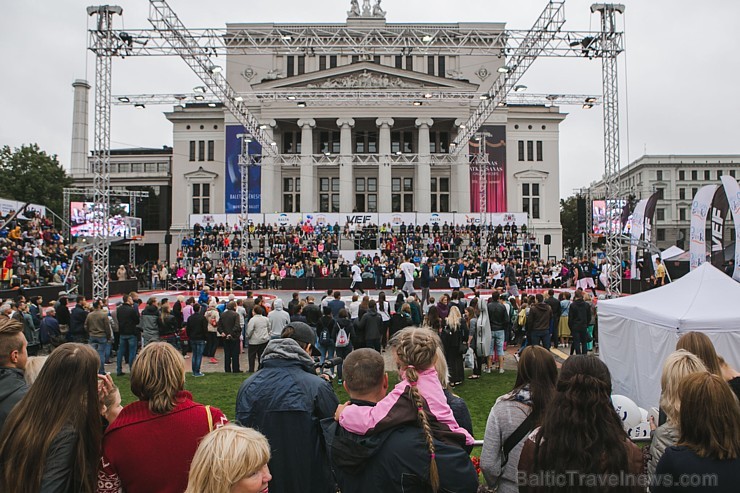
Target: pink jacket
363,419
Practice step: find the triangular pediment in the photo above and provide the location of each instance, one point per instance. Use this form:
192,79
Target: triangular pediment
531,174
365,75
200,174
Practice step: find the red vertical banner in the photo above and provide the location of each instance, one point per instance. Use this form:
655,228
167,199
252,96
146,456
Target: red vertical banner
495,172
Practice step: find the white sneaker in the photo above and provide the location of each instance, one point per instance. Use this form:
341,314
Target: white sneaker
516,357
501,370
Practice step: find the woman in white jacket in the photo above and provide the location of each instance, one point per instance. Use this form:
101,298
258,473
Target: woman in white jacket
258,335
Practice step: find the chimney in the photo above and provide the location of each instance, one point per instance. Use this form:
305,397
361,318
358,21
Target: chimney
78,164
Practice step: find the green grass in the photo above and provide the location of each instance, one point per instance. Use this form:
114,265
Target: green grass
220,389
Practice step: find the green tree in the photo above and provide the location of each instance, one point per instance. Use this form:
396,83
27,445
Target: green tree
569,221
31,175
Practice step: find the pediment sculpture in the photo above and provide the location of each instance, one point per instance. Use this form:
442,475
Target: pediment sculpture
364,80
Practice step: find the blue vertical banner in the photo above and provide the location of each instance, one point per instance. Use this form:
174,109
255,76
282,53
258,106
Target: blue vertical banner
233,176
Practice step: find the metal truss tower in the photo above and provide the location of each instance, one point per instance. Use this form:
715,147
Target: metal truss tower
611,138
104,43
244,162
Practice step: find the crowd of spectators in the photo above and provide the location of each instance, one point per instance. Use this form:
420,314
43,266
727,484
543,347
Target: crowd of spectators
33,252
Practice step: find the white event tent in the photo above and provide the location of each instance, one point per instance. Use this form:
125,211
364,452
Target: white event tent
638,332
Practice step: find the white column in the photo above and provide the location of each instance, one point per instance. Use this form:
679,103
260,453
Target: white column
384,166
460,179
271,200
80,116
308,177
423,175
346,175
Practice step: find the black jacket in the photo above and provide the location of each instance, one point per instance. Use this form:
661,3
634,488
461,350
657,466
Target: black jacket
395,460
62,310
579,315
539,317
554,305
77,320
371,326
285,401
229,325
12,389
498,315
168,326
197,327
312,312
128,320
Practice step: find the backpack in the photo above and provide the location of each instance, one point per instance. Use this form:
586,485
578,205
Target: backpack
325,337
342,338
522,318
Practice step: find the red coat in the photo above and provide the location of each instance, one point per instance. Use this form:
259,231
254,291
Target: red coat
146,452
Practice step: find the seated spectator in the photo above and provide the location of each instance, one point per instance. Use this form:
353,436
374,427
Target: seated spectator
164,428
709,439
231,459
676,367
581,433
515,415
395,459
51,439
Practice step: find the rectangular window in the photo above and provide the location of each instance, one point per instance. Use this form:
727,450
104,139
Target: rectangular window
211,150
137,167
201,150
335,202
332,61
661,234
430,65
301,65
444,202
682,214
732,173
355,59
682,194
359,184
324,202
531,199
681,175
719,174
196,198
434,203
693,192
192,150
324,185
660,214
409,62
539,150
360,202
659,175
290,67
396,202
201,198
441,70
694,175
408,202
322,62
372,203
521,150
376,59
408,184
372,185
399,61
535,208
288,202
530,150
287,184
661,193
535,189
335,184
396,185
707,175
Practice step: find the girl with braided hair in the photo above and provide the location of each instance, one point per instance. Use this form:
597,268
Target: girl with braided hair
581,434
417,397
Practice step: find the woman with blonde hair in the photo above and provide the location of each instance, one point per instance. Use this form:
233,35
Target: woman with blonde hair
33,368
163,427
232,459
455,344
708,447
677,366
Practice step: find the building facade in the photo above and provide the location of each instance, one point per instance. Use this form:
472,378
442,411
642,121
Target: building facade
676,179
345,153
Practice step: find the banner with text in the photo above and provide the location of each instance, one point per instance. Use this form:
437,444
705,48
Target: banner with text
502,218
324,218
13,205
697,240
435,218
233,174
732,189
494,172
395,219
284,218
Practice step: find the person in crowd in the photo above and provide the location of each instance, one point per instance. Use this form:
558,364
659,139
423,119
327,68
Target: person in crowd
167,326
62,313
50,335
149,325
515,415
414,350
433,320
397,458
324,331
278,318
701,345
554,304
77,332
32,369
479,339
343,335
538,322
354,307
110,406
258,335
425,279
231,459
128,328
197,331
677,366
454,338
731,375
400,320
164,427
384,310
336,304
285,400
371,327
443,306
581,432
212,316
230,330
13,358
312,312
356,278
709,438
499,320
459,409
579,318
98,328
51,439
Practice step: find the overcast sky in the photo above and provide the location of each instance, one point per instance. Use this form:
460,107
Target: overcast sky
678,78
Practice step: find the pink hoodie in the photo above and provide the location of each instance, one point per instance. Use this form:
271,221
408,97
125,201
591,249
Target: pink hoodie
362,419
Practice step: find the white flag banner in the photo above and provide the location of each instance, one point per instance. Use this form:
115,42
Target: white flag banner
638,224
697,240
732,189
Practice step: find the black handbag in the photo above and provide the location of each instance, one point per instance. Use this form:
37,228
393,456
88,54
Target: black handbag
463,348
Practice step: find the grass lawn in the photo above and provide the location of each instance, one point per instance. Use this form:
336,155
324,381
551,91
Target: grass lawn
220,389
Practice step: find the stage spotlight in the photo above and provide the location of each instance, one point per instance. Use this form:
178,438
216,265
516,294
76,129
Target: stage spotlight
301,104
520,88
212,105
591,100
262,127
124,99
485,96
139,105
427,38
215,69
239,99
503,69
200,89
418,103
428,95
291,98
199,97
587,106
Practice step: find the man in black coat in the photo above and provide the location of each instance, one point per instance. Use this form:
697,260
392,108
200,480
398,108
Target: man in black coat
128,328
197,330
77,322
554,305
231,329
579,318
499,318
396,459
538,322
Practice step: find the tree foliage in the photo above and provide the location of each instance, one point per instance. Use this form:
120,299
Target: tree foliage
569,221
31,175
